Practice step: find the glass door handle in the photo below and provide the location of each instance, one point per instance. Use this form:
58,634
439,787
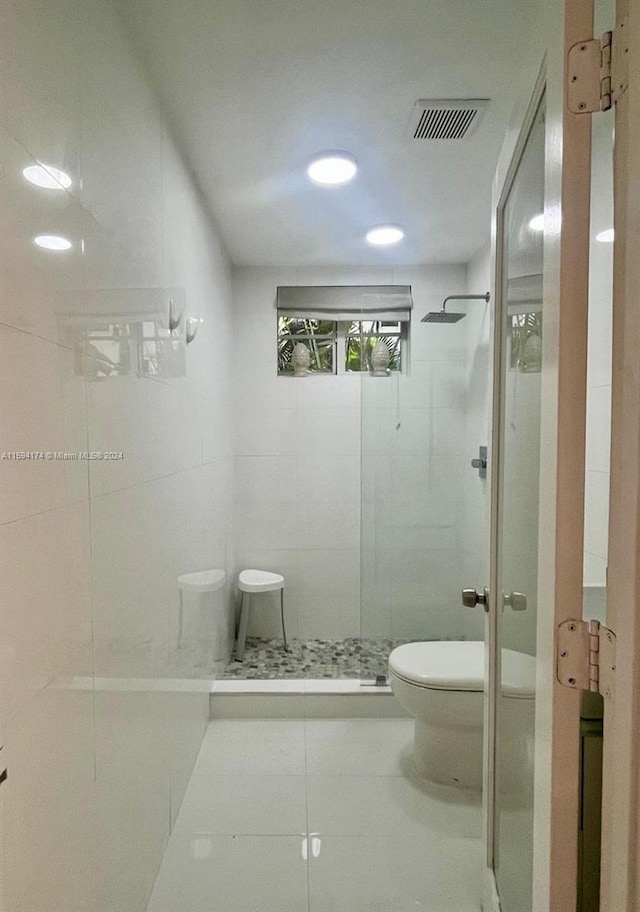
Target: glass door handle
471,598
480,463
517,601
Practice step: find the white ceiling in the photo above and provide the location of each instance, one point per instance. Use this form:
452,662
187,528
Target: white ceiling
254,88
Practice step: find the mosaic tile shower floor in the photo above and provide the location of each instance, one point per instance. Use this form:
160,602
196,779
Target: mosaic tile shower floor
350,658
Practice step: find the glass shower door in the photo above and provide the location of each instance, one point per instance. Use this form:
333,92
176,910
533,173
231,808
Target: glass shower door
420,495
520,340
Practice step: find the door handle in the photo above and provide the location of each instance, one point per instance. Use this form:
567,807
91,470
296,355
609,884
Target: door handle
471,598
480,463
517,601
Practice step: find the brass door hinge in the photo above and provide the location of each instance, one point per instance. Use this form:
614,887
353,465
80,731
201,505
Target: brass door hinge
586,657
597,72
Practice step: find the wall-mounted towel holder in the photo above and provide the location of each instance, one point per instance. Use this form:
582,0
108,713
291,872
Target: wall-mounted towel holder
175,319
192,325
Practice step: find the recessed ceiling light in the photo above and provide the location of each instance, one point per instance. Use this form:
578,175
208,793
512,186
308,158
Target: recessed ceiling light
537,222
331,169
47,177
52,242
384,235
605,237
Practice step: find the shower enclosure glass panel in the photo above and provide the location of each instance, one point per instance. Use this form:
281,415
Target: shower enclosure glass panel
417,486
521,235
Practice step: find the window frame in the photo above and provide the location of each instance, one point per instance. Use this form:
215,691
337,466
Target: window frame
401,334
306,338
340,338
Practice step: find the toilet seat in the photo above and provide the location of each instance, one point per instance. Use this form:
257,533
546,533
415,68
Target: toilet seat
459,666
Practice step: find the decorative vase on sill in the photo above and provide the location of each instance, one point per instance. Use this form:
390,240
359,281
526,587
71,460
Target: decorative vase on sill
380,359
300,359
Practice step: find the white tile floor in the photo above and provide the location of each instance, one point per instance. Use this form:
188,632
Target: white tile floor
318,816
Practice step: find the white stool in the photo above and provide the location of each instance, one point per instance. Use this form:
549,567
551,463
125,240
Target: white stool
250,582
201,581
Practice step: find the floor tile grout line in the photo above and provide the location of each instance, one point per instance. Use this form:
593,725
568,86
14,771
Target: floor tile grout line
306,801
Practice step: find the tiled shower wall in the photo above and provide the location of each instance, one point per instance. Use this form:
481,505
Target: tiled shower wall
297,491
322,468
98,736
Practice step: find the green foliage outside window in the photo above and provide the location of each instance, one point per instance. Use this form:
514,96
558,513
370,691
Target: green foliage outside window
318,335
362,338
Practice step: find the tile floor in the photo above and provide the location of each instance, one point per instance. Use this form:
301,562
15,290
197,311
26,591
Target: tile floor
318,816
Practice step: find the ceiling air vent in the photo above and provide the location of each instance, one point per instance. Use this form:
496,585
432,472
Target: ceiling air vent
449,118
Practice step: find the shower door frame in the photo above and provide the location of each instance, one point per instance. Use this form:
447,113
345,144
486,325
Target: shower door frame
562,468
510,160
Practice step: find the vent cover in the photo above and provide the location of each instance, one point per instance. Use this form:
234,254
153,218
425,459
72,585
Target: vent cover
449,118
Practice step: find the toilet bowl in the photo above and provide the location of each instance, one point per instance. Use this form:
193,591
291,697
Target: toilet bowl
441,685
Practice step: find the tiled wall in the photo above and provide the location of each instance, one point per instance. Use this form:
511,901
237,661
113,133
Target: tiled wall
297,492
99,736
304,446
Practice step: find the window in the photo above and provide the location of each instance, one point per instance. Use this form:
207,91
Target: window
363,335
338,347
318,335
340,326
526,342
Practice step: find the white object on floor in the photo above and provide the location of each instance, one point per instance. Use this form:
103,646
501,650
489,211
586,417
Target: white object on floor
195,587
251,582
442,685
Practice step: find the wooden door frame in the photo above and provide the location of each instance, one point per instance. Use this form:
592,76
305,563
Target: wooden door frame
562,483
620,869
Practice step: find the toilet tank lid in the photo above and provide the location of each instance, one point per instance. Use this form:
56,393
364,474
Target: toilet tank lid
459,665
202,580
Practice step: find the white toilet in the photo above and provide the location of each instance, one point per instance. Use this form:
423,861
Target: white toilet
441,684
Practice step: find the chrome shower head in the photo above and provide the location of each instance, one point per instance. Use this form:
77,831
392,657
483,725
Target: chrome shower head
441,316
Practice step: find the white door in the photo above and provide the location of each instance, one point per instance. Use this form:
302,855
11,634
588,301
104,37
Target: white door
541,290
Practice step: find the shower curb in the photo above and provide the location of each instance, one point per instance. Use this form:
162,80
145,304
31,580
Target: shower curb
297,699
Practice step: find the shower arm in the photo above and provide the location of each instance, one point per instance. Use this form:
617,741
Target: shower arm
486,297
